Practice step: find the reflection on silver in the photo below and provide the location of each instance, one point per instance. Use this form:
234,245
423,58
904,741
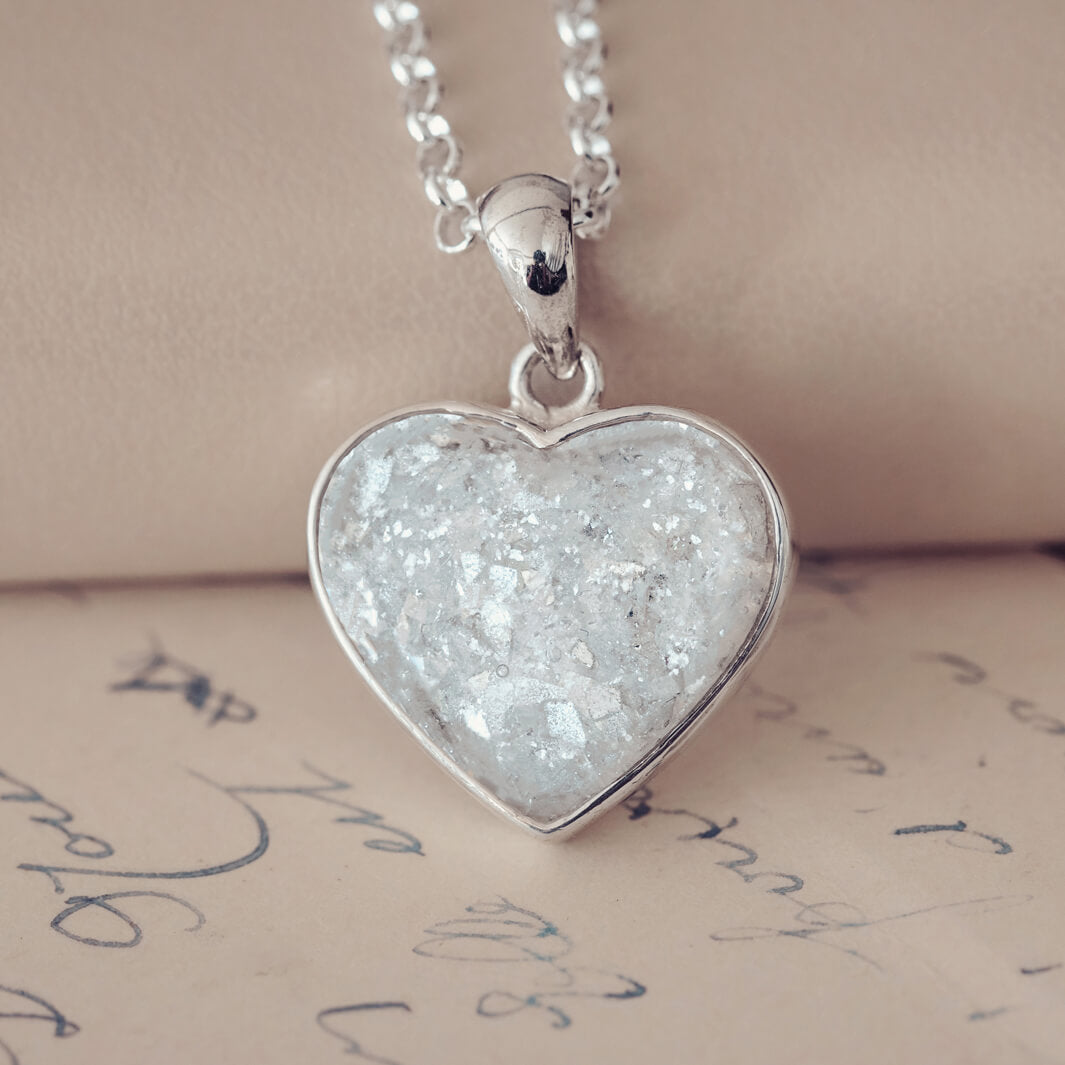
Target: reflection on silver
595,175
527,223
523,399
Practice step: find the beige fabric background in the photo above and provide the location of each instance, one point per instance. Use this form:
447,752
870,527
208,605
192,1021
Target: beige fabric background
842,233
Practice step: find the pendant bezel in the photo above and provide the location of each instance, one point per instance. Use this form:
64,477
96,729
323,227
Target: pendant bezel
546,438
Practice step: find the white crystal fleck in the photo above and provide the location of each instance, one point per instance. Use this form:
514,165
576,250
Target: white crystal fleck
475,722
581,653
564,724
545,616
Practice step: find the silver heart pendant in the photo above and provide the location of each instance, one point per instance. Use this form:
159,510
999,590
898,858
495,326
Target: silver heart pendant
549,598
550,609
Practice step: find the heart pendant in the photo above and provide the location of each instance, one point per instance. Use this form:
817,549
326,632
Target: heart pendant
549,611
549,598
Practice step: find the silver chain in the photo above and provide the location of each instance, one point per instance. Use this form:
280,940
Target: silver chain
595,177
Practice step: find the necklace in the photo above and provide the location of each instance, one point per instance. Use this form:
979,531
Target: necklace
549,597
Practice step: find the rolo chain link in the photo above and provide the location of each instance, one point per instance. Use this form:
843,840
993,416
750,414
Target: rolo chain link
595,176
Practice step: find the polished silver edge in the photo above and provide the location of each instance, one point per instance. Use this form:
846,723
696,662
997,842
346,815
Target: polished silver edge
727,683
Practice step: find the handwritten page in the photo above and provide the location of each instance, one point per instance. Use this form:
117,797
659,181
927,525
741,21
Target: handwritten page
218,847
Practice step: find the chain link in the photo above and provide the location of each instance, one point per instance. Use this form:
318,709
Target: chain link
594,179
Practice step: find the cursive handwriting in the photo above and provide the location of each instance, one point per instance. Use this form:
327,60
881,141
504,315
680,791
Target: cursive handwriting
821,919
19,1005
823,573
325,790
159,671
985,1015
742,860
960,831
969,674
811,922
327,1017
498,933
782,710
50,813
77,903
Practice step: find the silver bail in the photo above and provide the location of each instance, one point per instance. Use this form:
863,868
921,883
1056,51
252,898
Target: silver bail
527,223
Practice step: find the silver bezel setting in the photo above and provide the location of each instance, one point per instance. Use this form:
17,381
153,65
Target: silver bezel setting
546,439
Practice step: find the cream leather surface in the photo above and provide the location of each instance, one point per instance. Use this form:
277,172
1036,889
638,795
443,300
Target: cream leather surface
842,233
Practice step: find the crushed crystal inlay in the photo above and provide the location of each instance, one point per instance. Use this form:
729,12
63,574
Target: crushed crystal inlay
546,616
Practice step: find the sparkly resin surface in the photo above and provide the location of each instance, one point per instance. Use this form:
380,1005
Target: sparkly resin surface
546,616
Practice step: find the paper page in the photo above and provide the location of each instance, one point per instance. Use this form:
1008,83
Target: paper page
218,847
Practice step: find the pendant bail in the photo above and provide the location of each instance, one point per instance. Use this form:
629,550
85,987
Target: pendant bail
527,223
